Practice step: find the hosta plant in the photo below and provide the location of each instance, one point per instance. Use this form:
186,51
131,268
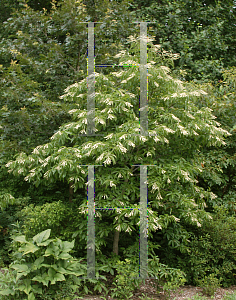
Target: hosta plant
41,263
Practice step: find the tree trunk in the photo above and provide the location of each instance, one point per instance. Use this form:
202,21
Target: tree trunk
116,242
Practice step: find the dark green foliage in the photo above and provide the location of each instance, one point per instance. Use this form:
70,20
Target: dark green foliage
212,250
202,32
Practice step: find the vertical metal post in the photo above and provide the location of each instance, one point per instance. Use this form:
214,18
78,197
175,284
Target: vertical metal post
91,225
91,81
143,79
143,249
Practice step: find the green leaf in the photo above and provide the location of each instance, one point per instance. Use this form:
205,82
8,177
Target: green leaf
28,248
38,262
42,236
60,270
54,276
7,292
20,268
64,255
52,250
46,243
20,239
37,289
27,284
31,296
67,246
44,279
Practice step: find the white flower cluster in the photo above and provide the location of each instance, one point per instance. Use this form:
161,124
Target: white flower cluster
168,129
107,101
123,137
165,68
131,144
64,163
107,161
184,173
109,136
80,95
182,129
175,118
122,148
82,114
100,157
176,219
166,141
121,53
143,139
156,139
20,160
131,96
131,76
112,184
213,196
101,121
9,164
35,151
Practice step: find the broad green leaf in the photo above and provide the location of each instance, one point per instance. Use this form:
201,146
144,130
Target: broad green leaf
38,262
31,296
7,292
44,279
42,236
27,284
28,248
20,268
51,273
58,277
52,250
37,289
60,270
21,287
20,239
46,243
67,246
64,255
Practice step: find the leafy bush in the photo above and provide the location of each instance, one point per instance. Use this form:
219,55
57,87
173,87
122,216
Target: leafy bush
59,217
212,250
167,278
41,263
124,284
221,256
209,284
